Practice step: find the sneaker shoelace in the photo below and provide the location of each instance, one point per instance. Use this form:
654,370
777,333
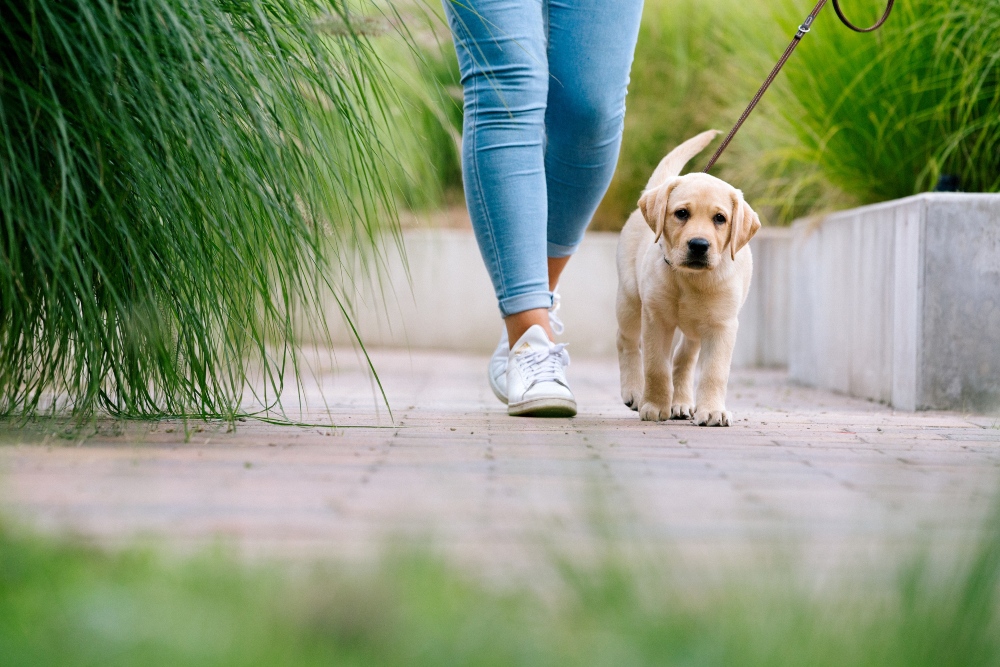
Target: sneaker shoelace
543,365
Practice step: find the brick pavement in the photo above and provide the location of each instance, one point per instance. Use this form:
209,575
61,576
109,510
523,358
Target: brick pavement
829,478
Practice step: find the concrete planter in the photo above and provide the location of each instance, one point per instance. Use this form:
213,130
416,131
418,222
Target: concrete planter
763,338
900,302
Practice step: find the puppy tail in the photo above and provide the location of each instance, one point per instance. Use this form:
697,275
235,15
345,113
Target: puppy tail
671,165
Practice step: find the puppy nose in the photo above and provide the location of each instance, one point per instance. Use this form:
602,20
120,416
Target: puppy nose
698,247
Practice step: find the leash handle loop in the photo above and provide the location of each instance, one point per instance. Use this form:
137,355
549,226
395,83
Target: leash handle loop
802,31
878,24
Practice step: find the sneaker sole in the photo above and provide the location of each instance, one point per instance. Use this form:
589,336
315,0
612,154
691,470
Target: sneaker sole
543,407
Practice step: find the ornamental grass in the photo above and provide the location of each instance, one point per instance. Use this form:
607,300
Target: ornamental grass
181,183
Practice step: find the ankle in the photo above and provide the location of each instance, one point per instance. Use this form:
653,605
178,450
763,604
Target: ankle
518,323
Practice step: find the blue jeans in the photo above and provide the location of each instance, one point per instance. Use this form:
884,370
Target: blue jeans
545,84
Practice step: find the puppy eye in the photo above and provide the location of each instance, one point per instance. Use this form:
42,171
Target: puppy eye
682,214
719,219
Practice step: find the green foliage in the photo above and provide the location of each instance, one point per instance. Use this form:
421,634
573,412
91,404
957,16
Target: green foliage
67,605
853,118
884,116
177,177
424,125
679,86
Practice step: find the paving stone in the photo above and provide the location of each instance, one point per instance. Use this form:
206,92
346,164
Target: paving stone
834,479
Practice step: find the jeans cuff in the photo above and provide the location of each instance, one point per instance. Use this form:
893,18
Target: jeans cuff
555,250
522,302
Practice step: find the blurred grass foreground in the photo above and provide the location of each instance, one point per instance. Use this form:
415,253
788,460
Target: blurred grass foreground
69,605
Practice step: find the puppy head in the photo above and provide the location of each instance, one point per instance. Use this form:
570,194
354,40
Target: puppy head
697,216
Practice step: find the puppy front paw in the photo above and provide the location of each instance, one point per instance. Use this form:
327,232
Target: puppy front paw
631,398
650,412
681,411
713,418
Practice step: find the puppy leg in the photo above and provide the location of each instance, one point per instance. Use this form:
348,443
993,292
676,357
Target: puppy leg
657,339
685,359
629,311
717,355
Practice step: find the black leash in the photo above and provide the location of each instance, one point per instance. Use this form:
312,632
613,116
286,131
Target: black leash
803,29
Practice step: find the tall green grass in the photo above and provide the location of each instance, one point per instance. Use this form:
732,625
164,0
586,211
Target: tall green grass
853,118
885,116
425,119
68,605
680,85
179,181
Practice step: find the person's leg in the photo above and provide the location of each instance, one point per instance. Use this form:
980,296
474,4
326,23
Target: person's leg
501,54
590,49
518,323
556,266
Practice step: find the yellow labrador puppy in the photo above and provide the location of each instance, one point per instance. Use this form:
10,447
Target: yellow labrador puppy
683,264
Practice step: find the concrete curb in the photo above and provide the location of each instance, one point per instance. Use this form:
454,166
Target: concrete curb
900,302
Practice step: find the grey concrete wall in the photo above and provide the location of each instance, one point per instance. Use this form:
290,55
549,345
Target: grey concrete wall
900,302
960,355
764,332
447,301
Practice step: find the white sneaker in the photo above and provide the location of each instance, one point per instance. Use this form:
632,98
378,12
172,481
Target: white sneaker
498,368
536,377
498,362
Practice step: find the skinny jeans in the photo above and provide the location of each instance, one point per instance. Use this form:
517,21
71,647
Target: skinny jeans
544,96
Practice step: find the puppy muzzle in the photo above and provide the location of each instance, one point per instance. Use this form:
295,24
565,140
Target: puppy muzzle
697,256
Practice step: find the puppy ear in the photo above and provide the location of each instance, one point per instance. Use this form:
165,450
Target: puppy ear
743,225
653,204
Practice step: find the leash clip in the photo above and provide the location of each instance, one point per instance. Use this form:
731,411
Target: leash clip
804,28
